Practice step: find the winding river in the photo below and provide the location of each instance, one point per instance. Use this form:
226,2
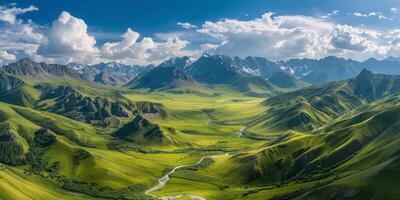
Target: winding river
163,180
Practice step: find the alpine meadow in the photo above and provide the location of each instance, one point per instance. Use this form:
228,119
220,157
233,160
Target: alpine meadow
200,100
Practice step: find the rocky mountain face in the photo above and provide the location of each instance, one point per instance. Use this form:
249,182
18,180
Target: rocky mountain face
96,110
140,130
285,80
75,105
162,78
257,66
207,70
324,70
117,74
221,69
169,74
387,66
309,108
9,82
28,69
315,71
214,69
371,86
110,73
210,69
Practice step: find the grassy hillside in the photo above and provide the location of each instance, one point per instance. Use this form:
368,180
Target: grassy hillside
347,146
73,139
86,159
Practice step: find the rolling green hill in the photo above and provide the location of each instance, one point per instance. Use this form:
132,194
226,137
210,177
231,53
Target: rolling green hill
209,127
342,160
309,108
342,157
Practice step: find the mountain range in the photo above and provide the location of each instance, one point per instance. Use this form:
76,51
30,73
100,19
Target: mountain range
110,73
212,128
302,71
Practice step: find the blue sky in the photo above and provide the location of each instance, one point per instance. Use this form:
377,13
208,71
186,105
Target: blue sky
162,29
156,16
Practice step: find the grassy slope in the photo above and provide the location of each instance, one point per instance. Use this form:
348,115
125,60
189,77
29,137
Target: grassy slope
208,119
201,119
368,155
17,185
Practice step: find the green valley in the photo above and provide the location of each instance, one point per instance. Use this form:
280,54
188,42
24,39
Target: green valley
70,138
200,100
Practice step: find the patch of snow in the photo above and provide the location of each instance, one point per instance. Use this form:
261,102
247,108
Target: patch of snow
251,71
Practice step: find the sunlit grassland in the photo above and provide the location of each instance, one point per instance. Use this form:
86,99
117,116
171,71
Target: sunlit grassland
116,169
369,168
204,118
15,184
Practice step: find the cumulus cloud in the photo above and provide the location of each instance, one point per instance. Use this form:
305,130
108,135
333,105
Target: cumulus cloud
273,37
357,43
394,10
9,12
6,57
132,49
277,37
17,35
186,25
68,40
284,37
68,36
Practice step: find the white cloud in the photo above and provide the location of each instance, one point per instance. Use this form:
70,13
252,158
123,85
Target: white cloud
186,25
132,49
17,35
333,13
68,40
6,57
276,37
394,10
68,37
357,14
9,12
355,42
284,37
208,46
378,15
273,37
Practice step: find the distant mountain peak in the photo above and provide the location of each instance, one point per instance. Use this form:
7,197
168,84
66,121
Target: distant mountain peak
27,68
333,58
25,60
285,80
365,73
177,62
391,58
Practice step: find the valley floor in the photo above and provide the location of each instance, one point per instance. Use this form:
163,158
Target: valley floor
206,124
214,146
